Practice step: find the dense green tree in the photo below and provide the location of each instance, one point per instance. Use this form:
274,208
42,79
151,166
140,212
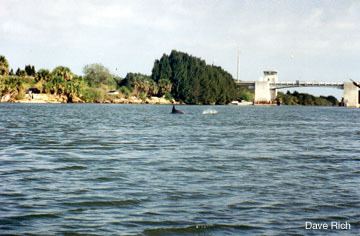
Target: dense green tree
333,100
20,72
155,73
43,74
305,99
4,66
96,74
30,70
192,80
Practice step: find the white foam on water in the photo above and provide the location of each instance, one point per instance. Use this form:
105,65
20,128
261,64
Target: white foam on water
210,112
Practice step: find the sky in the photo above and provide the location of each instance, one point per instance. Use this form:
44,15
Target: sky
302,40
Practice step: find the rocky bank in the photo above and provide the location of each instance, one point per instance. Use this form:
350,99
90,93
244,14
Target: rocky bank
51,98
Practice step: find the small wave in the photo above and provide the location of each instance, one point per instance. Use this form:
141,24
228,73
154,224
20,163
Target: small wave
67,159
3,130
200,228
104,179
72,168
210,112
34,216
12,194
73,233
111,203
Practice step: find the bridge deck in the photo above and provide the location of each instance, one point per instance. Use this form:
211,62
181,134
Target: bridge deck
280,85
245,83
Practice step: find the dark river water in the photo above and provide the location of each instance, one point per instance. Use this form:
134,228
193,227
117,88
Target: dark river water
139,170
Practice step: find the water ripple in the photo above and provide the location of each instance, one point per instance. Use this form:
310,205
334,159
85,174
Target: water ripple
87,169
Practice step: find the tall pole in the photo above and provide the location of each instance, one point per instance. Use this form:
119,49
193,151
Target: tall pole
237,65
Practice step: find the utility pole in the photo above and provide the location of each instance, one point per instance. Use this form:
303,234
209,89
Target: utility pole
237,64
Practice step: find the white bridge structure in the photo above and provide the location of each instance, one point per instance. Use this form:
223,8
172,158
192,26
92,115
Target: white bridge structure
266,90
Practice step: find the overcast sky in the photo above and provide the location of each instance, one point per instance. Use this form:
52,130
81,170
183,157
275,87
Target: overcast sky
302,40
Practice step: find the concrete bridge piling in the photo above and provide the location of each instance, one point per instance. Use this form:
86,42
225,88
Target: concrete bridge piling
351,95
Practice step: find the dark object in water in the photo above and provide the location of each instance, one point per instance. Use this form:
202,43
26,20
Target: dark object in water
176,111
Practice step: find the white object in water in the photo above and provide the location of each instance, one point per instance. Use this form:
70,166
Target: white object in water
241,103
210,112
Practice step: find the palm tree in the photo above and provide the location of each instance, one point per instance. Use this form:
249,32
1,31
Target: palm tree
43,74
72,89
57,85
63,72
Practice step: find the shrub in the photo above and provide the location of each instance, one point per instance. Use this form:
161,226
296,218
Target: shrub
125,91
168,96
90,94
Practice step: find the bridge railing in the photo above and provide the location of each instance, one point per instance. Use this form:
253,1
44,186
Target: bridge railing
306,84
290,84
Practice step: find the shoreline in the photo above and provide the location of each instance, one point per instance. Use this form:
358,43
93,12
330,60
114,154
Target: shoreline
62,99
131,100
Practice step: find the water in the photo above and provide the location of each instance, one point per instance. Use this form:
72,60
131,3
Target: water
139,170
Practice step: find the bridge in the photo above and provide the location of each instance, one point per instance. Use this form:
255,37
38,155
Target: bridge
266,90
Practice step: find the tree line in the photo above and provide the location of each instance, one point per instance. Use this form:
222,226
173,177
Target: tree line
305,99
91,87
178,76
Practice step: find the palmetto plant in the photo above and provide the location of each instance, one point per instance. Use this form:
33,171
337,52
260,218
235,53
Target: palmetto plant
64,72
43,74
72,88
